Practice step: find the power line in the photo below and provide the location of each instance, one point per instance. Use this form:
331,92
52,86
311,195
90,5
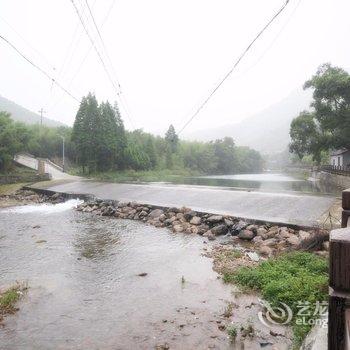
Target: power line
94,46
89,50
274,40
29,44
235,65
102,41
38,68
121,96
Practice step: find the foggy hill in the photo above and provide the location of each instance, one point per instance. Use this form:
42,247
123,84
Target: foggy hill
266,131
21,114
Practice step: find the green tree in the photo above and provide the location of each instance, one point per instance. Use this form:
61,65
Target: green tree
80,134
14,138
151,152
172,139
224,151
328,126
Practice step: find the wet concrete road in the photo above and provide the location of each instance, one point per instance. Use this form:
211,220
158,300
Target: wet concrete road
277,207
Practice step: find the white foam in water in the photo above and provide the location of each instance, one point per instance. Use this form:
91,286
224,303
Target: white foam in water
45,208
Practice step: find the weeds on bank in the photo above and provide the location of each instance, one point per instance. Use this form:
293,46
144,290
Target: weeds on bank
232,332
8,299
290,278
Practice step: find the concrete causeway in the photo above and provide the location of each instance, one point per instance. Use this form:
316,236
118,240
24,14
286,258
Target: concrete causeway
298,209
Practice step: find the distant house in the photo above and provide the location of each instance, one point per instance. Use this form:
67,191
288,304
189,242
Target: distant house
341,158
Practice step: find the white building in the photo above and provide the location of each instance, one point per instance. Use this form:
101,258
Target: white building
341,158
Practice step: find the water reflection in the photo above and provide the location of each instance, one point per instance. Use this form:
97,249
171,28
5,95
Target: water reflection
261,182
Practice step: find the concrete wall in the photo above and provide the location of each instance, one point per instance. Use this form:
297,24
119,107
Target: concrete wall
340,181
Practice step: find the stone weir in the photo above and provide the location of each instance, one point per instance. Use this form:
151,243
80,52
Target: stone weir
268,238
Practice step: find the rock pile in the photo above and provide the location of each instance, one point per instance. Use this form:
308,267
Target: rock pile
29,197
266,239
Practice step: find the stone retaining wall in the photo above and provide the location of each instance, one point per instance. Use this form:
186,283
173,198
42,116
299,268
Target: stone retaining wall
18,178
343,182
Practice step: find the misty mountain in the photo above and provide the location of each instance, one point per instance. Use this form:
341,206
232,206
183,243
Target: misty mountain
21,114
266,131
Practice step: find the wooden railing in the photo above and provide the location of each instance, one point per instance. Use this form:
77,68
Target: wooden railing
335,169
339,282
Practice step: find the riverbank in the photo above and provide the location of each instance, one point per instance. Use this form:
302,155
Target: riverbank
329,179
164,175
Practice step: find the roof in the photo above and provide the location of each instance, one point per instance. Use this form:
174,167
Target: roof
339,152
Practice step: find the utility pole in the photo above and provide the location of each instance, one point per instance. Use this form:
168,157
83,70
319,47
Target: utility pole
41,116
63,153
40,129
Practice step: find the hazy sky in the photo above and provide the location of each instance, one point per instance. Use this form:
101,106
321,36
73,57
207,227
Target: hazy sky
168,55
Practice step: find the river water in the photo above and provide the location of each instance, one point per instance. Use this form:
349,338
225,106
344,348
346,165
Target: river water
85,291
84,288
267,182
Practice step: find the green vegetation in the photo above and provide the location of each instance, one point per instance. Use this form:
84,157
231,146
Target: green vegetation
327,126
13,138
103,145
228,312
10,188
40,141
290,278
99,145
232,332
9,298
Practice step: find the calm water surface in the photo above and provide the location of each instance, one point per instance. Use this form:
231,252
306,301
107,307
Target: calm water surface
273,182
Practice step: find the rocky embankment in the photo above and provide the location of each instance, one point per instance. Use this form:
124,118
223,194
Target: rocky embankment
24,197
267,239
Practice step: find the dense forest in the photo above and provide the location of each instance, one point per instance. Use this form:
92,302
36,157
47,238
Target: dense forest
327,125
98,142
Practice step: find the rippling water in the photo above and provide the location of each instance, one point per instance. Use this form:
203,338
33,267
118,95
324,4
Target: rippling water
84,289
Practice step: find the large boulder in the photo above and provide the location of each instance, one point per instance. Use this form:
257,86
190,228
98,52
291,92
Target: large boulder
202,229
219,230
270,242
272,232
265,250
213,219
304,235
178,228
246,235
293,240
189,215
238,227
155,213
261,232
209,235
228,222
196,220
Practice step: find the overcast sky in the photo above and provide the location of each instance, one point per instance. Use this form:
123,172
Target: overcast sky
168,55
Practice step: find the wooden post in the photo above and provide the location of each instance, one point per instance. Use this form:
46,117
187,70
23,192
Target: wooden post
339,282
346,208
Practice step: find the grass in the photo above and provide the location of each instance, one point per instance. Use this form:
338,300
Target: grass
10,188
9,298
290,278
232,333
138,176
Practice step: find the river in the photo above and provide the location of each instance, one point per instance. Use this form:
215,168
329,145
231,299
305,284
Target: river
85,291
266,182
